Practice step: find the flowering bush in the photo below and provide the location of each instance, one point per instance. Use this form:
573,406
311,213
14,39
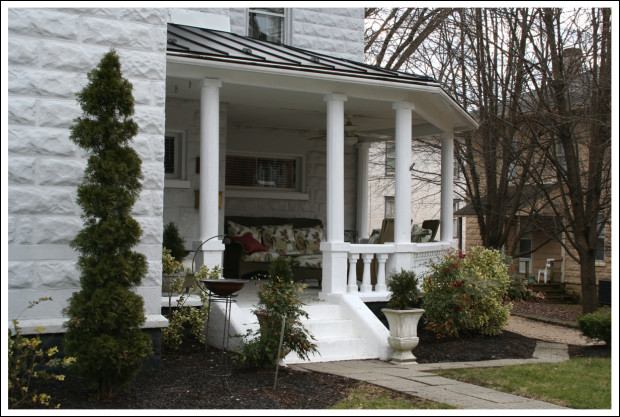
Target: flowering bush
30,364
464,294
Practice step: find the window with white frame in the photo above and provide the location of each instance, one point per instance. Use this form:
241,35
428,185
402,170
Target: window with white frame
174,155
389,207
560,156
267,24
390,158
525,261
456,204
281,173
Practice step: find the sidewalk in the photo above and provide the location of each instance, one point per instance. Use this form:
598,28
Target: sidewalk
419,380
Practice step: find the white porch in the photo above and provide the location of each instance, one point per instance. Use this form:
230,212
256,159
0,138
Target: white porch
309,94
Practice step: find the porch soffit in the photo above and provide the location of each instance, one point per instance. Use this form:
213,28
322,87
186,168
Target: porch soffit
301,77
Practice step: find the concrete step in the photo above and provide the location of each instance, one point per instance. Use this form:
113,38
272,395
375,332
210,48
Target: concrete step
332,349
320,328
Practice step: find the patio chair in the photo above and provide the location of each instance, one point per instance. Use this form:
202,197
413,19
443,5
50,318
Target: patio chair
545,271
433,225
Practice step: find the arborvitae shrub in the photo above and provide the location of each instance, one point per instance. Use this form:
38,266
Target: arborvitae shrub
104,331
174,241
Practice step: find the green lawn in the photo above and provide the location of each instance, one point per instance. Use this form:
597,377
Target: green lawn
583,383
371,397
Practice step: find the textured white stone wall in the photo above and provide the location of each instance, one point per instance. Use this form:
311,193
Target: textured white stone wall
50,52
333,31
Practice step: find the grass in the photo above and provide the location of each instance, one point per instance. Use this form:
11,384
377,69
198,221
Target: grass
371,397
583,383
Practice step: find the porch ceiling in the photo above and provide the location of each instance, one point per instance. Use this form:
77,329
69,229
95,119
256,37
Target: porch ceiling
264,87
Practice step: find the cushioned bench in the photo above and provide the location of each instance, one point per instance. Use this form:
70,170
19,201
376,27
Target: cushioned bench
258,241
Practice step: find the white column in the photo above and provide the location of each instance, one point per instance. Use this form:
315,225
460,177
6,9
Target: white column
209,171
447,186
335,249
362,189
402,197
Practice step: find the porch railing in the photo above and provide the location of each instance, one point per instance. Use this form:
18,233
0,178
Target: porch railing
421,255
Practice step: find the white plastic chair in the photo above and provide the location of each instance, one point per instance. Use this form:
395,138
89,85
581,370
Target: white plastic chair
545,271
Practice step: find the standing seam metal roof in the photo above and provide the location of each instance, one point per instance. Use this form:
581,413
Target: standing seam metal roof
222,46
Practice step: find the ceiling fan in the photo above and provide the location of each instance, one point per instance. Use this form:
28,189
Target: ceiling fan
352,136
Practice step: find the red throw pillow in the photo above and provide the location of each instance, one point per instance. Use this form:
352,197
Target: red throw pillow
250,245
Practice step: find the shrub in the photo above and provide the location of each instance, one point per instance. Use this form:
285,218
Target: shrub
106,315
182,317
172,240
404,291
464,294
29,364
596,325
279,298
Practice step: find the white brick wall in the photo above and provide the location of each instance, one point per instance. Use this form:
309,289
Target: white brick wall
50,53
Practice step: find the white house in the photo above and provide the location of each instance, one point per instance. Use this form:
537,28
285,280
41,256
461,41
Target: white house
205,84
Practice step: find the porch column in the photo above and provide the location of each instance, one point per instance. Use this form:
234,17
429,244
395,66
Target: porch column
335,250
362,189
402,194
209,171
402,258
447,186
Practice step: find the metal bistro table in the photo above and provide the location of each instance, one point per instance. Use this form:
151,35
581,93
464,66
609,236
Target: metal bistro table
222,291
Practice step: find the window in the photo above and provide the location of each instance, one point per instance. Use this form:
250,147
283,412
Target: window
389,207
561,157
457,170
525,261
266,24
599,256
174,155
456,204
264,172
390,158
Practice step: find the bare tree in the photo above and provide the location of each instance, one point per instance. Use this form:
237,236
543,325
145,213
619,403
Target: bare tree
539,82
570,77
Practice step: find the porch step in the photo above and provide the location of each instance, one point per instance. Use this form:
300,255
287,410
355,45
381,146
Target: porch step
554,291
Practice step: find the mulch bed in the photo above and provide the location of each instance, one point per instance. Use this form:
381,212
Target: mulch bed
194,379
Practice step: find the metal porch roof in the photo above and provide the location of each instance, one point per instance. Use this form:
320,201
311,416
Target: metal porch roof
214,45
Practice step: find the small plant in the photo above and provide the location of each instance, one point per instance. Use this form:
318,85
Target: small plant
404,292
596,325
172,240
464,294
29,364
181,316
279,298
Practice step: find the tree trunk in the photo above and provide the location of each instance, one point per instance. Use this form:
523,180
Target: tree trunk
589,291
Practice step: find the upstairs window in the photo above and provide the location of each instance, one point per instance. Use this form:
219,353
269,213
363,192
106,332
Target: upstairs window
266,24
599,255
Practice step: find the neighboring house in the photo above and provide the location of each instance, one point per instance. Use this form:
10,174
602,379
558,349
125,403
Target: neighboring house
206,94
532,236
425,189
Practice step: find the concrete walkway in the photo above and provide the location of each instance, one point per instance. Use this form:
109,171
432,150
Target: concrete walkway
420,381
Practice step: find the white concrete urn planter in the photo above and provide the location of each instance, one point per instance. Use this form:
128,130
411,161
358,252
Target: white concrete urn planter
403,336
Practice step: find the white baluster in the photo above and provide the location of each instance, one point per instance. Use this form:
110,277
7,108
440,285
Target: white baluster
366,285
381,260
352,286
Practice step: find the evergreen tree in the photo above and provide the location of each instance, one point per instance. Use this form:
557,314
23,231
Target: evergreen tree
104,330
